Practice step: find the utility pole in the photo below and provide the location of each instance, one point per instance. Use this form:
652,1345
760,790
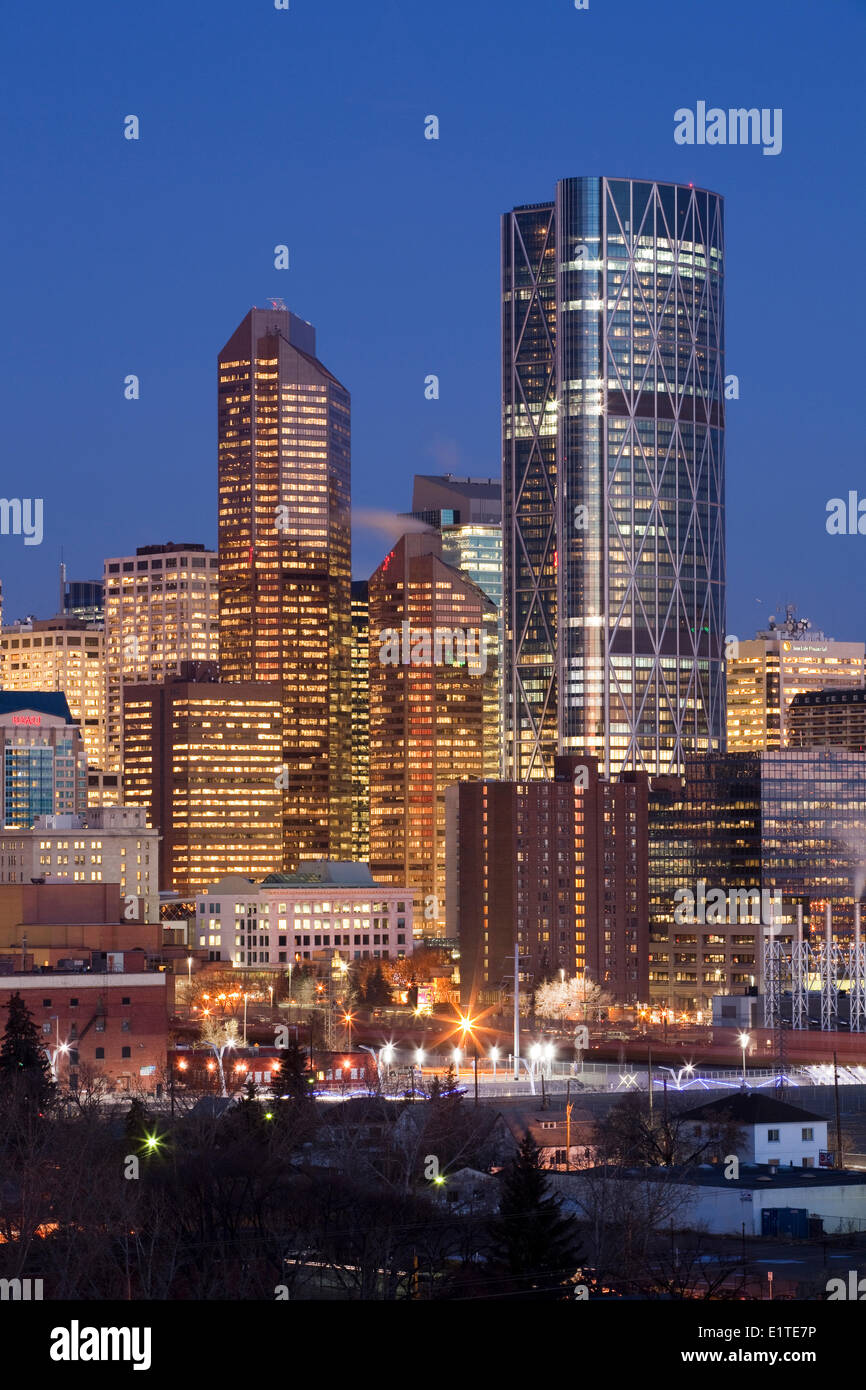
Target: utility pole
568,1109
838,1116
475,1063
649,1077
516,1010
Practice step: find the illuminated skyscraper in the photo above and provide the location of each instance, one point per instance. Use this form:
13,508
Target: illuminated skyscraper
360,720
285,562
764,676
66,654
433,713
161,609
44,762
613,476
467,513
202,756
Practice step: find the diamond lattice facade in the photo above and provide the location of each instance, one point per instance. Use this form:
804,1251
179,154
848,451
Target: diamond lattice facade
613,476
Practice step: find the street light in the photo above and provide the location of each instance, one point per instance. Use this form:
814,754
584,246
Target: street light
494,1057
744,1040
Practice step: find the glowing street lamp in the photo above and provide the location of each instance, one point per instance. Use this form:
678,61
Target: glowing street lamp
494,1057
744,1039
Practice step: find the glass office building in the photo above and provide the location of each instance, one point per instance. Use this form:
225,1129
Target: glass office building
285,563
613,476
789,824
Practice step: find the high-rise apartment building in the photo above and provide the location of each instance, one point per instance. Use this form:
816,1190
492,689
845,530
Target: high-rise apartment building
285,562
765,675
433,712
360,720
613,476
65,654
559,867
44,762
161,610
203,758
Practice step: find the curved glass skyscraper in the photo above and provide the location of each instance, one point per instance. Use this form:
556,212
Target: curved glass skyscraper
613,476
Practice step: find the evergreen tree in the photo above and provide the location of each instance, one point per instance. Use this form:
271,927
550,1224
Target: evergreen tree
377,991
292,1080
135,1125
25,1075
533,1243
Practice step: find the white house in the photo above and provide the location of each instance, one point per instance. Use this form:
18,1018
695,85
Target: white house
774,1132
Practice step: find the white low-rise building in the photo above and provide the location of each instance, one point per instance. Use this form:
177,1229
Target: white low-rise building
774,1132
107,844
326,908
707,1200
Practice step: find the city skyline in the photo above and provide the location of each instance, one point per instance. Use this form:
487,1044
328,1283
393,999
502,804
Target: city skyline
202,243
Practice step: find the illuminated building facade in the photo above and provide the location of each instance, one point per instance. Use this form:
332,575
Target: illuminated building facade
828,719
765,675
285,562
360,720
559,866
203,758
44,762
326,909
161,609
613,476
104,845
65,654
433,713
789,823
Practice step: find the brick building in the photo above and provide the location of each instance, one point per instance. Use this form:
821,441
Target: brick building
111,1023
559,865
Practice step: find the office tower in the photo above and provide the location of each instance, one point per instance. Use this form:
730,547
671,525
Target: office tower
44,762
433,711
613,476
203,758
161,609
102,845
66,654
828,719
83,598
770,831
468,514
324,910
285,565
360,720
559,867
765,675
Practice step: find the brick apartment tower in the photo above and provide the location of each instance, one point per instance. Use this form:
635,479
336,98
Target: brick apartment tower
558,866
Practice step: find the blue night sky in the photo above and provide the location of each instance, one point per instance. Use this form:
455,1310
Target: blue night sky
306,127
